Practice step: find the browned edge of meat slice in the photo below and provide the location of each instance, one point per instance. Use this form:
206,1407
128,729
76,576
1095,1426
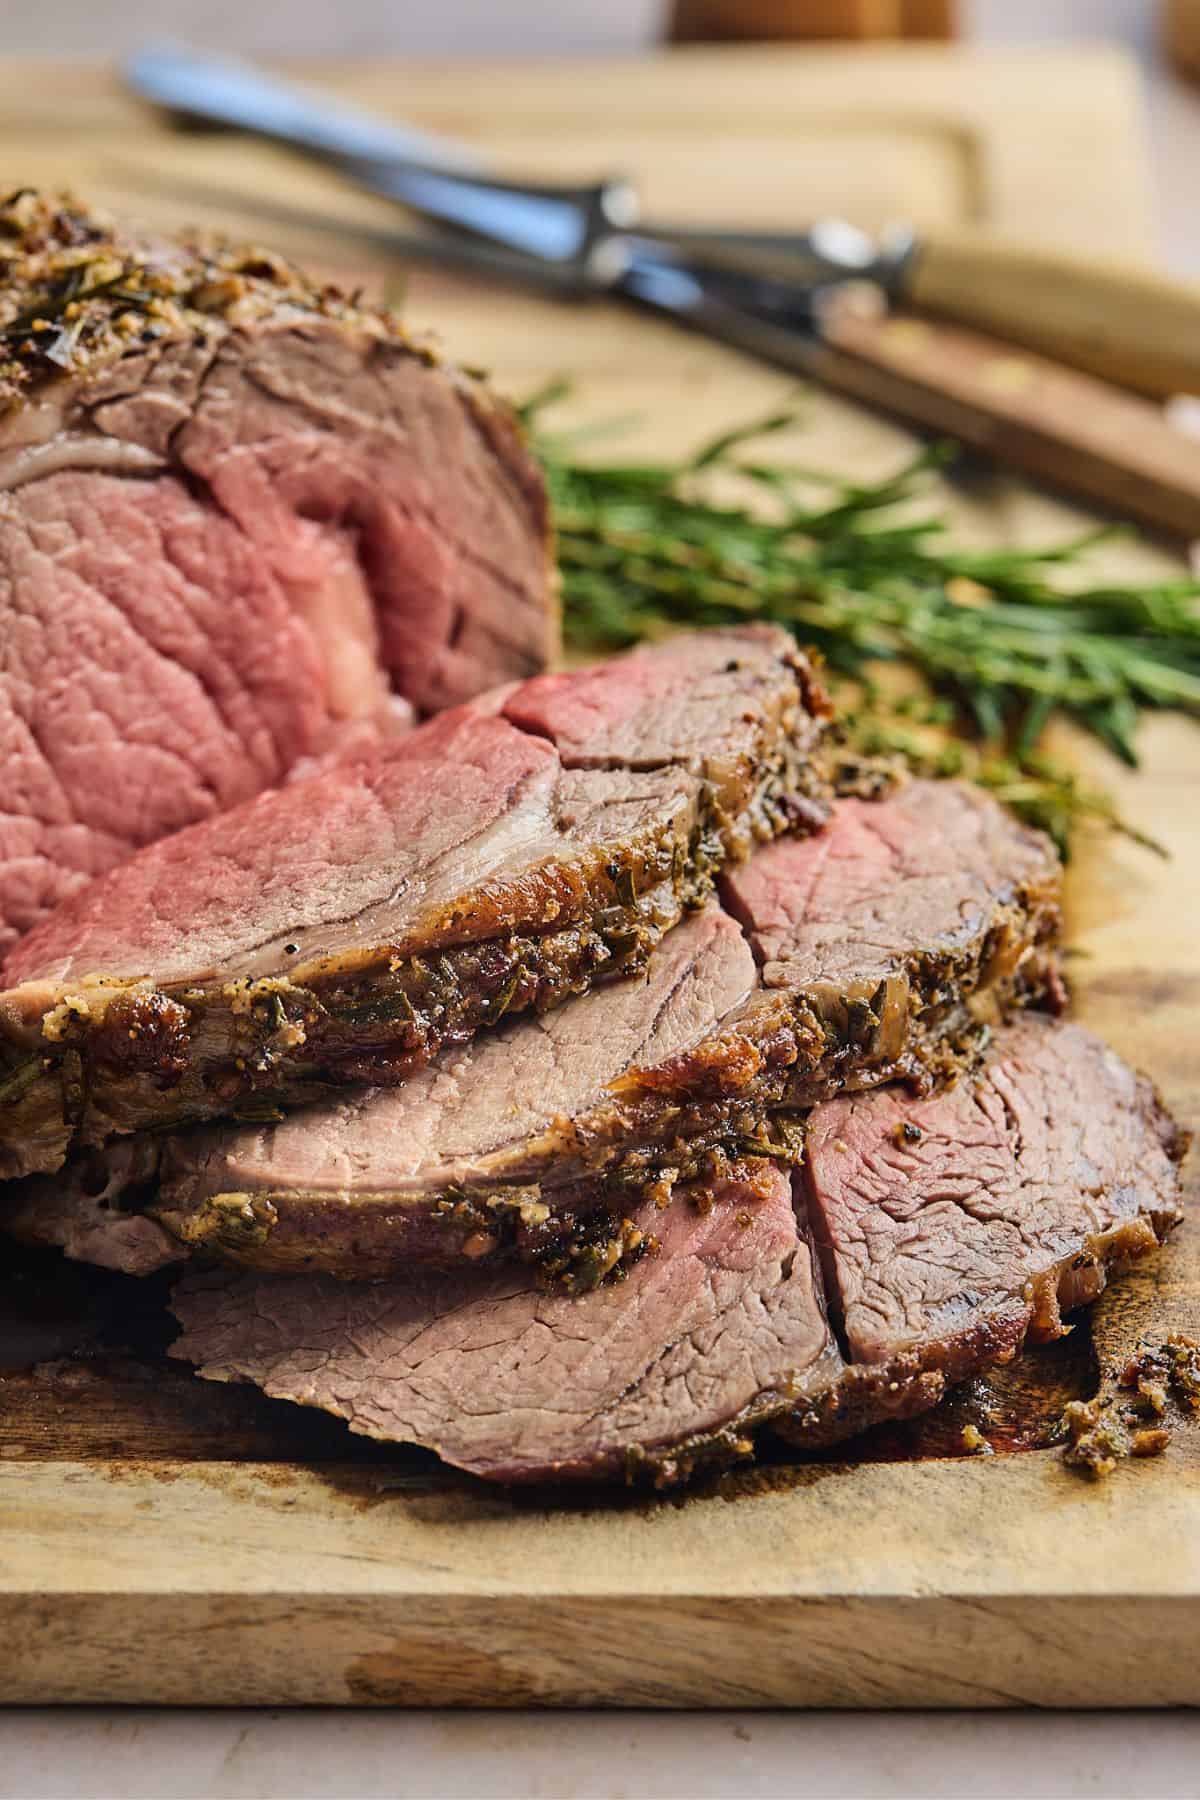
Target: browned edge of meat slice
510,1142
952,1229
916,1379
497,859
937,1271
517,1384
244,513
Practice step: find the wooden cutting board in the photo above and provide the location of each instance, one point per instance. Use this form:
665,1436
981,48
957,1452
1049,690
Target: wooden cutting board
162,1540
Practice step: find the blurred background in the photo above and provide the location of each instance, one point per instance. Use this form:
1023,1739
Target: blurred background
522,27
1164,35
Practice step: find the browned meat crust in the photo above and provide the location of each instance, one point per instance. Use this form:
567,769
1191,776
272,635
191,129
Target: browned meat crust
720,1329
567,871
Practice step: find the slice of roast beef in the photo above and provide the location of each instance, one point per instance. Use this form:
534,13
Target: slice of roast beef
942,1250
242,513
345,926
951,1228
377,1177
514,1137
721,1321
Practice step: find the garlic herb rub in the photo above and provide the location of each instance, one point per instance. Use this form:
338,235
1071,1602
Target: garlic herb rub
883,949
341,929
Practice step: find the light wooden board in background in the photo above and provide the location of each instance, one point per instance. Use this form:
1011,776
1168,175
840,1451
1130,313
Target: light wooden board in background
135,1568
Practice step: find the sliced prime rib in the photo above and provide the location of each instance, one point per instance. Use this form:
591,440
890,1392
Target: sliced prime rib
953,1227
241,513
878,950
947,1229
495,859
514,1383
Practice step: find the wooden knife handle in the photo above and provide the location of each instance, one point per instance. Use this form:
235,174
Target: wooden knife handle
1066,428
692,19
1128,324
698,20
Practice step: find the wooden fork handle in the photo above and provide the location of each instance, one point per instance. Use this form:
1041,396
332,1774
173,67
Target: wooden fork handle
1131,325
1069,429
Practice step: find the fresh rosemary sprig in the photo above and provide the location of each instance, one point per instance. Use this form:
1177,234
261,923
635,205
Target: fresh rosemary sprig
1043,790
999,635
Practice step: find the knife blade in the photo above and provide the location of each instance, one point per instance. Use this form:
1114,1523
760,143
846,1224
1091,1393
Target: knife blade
576,226
1133,326
196,82
813,303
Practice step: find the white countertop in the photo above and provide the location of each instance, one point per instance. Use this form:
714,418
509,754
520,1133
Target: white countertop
144,1755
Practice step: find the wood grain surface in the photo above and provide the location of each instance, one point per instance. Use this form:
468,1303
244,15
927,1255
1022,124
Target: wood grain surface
164,1540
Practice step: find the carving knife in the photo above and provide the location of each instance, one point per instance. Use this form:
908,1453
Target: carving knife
1128,324
822,302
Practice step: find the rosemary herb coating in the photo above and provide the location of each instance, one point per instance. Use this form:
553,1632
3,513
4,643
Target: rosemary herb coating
80,288
855,1291
343,928
883,949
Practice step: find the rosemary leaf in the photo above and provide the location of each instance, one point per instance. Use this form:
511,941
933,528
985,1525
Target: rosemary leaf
1003,640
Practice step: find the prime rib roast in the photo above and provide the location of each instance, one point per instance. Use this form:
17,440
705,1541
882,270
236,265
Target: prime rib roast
243,515
341,928
582,1086
921,1240
881,949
